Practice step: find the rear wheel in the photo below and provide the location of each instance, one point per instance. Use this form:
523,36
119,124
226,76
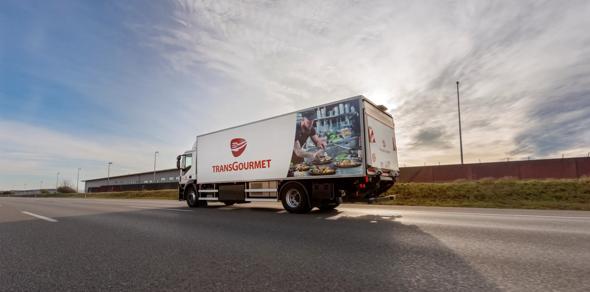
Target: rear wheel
295,199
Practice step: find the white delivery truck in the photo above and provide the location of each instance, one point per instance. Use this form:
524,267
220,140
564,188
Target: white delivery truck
305,159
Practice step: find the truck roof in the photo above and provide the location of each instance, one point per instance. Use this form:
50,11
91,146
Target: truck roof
320,105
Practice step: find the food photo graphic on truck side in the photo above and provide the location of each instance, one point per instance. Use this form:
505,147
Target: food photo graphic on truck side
318,156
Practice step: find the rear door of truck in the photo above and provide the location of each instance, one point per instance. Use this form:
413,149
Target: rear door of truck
380,140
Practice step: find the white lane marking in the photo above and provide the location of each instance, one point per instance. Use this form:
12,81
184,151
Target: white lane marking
158,208
39,216
498,215
182,210
531,216
491,226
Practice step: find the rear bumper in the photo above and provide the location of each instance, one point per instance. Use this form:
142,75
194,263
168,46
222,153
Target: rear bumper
378,184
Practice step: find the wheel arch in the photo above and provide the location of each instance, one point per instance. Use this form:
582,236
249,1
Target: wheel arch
302,185
183,189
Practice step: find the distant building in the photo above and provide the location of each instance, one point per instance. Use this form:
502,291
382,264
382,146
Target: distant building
165,179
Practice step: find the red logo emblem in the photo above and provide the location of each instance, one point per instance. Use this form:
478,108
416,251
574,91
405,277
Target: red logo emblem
371,135
238,145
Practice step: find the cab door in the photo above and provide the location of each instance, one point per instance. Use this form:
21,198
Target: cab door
187,169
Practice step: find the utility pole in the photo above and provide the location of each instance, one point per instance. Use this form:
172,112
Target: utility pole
109,173
57,181
460,134
155,156
78,180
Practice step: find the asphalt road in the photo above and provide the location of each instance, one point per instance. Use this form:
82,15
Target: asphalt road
95,244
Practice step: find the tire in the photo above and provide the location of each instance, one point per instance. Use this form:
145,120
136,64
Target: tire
191,198
229,203
295,198
328,207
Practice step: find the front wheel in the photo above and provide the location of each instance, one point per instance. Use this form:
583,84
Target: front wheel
295,199
192,199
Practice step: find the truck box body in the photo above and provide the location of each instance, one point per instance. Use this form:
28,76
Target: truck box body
263,150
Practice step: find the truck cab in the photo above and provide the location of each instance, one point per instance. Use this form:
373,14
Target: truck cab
185,163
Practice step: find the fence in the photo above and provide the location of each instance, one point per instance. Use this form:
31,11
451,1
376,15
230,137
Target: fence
134,187
565,168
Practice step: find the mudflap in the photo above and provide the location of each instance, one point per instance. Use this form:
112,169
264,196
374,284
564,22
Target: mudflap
381,186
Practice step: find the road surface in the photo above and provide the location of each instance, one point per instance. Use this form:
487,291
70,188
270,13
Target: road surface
95,244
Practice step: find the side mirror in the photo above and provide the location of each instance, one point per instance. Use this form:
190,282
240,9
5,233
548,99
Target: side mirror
178,162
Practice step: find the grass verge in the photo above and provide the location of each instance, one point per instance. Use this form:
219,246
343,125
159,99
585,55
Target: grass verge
486,193
500,193
158,194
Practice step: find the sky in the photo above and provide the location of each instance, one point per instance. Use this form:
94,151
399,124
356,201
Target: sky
86,82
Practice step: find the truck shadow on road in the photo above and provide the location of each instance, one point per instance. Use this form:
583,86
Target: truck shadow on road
366,251
328,214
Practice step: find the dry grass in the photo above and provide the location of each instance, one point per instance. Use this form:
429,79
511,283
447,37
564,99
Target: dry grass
500,193
158,194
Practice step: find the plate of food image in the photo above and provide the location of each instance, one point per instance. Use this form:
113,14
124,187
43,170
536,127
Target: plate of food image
347,163
301,167
322,170
325,159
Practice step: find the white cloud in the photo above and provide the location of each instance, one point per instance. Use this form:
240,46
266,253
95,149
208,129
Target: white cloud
509,56
29,154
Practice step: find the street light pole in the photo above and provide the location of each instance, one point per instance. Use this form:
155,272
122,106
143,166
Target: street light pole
460,134
155,157
109,173
78,180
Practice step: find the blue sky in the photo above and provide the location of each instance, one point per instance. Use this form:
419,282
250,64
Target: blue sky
87,82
